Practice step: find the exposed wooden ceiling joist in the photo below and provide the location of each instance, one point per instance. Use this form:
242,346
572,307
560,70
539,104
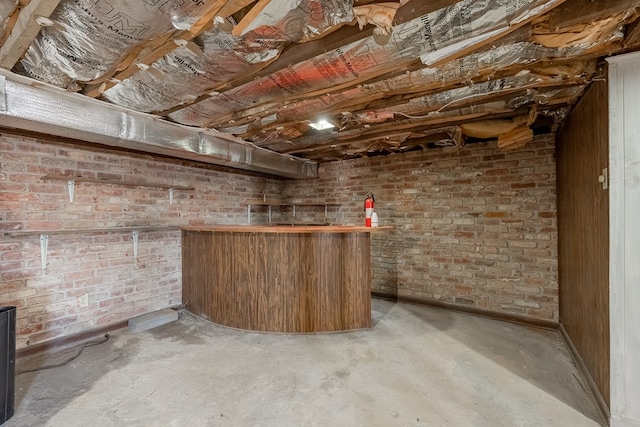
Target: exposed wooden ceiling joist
578,12
355,136
250,17
231,7
269,89
25,30
632,38
477,99
294,54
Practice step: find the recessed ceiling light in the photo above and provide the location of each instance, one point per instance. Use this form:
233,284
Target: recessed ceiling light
321,125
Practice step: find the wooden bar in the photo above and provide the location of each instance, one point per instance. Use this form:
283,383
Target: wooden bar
279,279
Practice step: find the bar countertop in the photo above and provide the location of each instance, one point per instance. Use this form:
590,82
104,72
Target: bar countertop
285,228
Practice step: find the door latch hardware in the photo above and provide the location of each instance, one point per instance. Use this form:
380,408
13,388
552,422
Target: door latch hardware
604,179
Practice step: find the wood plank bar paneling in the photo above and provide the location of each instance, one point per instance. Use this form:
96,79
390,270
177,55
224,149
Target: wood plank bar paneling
278,282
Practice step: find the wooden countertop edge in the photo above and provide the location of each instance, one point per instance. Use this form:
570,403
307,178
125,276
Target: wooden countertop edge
286,229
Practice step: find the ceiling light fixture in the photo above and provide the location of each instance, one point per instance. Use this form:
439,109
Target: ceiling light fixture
321,125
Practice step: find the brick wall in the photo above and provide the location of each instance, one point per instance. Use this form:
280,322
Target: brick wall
92,279
473,226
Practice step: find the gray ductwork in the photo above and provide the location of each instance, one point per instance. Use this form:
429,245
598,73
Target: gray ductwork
30,105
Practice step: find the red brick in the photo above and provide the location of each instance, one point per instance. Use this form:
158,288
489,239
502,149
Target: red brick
450,187
496,214
81,259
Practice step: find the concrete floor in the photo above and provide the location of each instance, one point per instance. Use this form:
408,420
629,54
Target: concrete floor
417,366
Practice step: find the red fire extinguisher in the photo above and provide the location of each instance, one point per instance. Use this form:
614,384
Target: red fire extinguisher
369,203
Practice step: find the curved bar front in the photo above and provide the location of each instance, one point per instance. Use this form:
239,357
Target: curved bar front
278,279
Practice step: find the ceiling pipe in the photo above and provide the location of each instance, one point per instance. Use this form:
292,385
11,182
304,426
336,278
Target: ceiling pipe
27,104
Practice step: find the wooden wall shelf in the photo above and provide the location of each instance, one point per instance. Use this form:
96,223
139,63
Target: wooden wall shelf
71,181
44,235
91,230
292,205
115,182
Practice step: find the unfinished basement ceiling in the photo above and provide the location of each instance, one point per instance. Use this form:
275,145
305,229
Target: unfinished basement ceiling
389,76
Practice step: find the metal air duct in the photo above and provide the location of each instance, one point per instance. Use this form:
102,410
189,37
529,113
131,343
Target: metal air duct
30,105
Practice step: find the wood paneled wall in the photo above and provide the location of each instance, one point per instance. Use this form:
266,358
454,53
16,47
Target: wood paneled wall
583,224
278,282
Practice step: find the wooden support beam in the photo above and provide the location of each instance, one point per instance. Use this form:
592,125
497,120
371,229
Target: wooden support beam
577,12
515,138
384,129
476,99
632,36
400,17
24,31
11,22
581,65
250,17
233,6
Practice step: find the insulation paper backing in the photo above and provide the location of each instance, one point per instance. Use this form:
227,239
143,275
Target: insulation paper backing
440,101
366,58
465,68
187,72
90,36
459,70
217,56
298,21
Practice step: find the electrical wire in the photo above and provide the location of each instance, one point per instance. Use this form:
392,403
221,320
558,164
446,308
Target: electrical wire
439,110
426,116
57,365
453,101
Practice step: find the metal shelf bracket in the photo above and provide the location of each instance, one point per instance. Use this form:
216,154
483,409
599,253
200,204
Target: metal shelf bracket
135,234
71,186
44,246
